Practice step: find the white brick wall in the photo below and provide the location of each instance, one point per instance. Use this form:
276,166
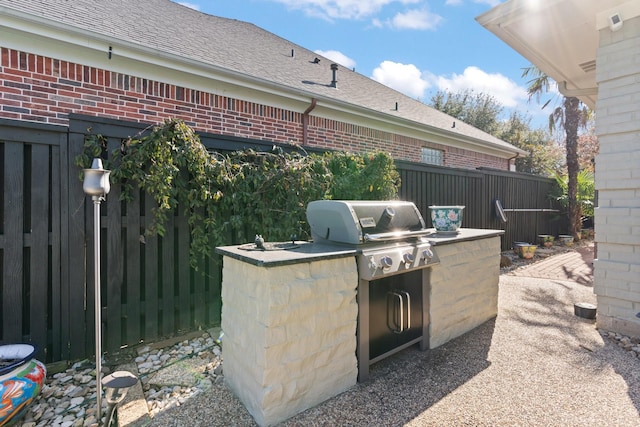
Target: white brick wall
621,253
617,219
289,334
464,288
617,143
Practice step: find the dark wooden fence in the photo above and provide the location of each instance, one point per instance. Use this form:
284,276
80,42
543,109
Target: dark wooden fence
478,190
32,231
148,288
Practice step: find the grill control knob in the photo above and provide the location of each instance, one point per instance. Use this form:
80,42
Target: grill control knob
408,258
427,254
386,261
373,265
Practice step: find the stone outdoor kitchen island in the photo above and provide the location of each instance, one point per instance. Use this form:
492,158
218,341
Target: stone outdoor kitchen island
290,316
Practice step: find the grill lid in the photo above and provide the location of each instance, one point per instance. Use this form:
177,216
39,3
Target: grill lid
360,221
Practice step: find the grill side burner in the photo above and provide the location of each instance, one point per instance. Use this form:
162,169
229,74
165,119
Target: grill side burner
393,256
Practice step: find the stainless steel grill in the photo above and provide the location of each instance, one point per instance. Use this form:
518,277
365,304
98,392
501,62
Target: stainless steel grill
393,256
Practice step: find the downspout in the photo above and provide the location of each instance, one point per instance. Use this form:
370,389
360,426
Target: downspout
305,121
513,158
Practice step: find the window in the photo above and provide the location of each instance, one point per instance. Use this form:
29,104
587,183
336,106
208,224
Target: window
431,156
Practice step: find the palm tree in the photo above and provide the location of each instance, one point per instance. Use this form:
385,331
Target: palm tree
570,116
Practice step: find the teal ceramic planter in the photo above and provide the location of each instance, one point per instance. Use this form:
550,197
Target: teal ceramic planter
446,219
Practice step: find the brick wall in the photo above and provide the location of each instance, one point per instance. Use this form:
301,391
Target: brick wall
37,88
617,219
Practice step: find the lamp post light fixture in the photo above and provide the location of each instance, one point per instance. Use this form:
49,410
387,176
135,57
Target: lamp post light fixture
116,386
96,184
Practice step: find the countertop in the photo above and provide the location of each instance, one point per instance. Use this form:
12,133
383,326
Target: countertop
301,251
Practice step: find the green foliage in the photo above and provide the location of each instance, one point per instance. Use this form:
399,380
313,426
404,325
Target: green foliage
268,192
94,146
544,155
367,177
227,198
480,110
585,193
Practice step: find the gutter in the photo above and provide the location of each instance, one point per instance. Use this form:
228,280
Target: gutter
305,121
513,158
576,93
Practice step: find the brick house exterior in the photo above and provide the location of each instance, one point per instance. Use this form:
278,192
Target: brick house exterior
603,37
56,63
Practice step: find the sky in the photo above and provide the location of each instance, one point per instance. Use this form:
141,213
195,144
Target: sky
417,47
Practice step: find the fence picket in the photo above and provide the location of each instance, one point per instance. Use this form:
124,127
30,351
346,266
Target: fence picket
112,271
152,263
12,268
133,265
40,270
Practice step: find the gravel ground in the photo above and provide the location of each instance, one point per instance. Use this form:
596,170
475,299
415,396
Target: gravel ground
535,364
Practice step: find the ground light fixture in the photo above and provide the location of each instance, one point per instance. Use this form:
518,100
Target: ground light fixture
116,386
96,184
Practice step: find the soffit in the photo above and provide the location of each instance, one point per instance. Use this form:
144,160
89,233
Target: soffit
560,37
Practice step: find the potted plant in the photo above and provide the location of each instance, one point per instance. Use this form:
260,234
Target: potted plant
546,240
524,249
565,239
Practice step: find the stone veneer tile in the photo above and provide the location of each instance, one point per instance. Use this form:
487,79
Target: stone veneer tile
464,288
285,328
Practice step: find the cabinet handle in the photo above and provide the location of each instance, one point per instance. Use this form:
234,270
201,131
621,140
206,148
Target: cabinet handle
395,318
401,312
408,296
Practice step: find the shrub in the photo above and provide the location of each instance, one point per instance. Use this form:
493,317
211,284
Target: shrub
227,198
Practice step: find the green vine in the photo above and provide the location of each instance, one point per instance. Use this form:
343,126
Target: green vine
370,176
94,146
228,198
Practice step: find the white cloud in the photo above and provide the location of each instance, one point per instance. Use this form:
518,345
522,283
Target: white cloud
342,9
492,3
408,79
189,5
405,78
416,19
504,90
338,57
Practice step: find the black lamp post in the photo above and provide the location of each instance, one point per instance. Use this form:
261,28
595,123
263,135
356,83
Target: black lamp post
96,184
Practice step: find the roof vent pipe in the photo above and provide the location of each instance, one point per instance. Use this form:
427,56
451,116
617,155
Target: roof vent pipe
334,71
